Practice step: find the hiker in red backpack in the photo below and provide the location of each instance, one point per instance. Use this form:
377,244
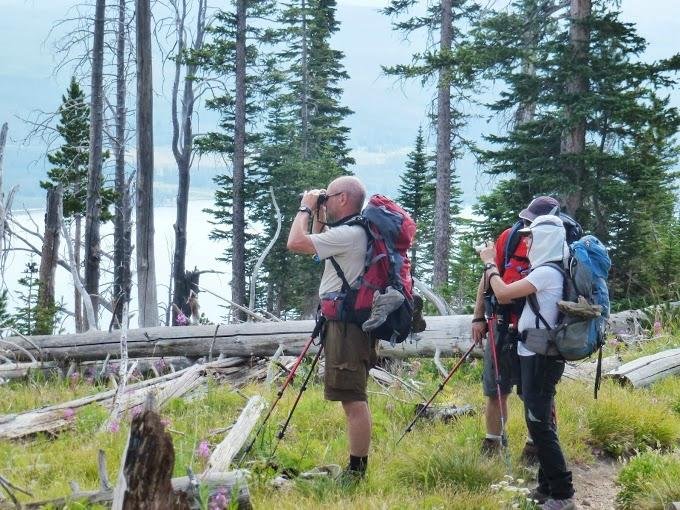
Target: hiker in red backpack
350,352
513,265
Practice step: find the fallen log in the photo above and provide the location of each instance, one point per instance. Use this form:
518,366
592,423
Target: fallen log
56,417
225,452
585,370
642,372
228,482
450,334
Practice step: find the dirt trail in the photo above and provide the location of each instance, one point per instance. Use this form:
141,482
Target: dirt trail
594,484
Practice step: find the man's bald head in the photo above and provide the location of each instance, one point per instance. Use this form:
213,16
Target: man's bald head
354,190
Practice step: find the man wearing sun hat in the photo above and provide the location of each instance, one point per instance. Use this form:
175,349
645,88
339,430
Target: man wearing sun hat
512,267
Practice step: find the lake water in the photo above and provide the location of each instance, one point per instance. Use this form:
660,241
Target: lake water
201,253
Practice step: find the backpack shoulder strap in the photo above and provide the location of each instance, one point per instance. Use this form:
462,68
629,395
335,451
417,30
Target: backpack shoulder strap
511,243
341,274
349,221
533,301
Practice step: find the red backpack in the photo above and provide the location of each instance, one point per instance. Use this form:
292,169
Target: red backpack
390,231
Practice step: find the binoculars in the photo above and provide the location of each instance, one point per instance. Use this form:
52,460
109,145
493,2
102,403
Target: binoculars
320,200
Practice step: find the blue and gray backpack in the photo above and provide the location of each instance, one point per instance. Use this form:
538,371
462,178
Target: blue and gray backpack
584,309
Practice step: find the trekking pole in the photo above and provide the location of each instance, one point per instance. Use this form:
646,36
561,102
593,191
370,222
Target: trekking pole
288,380
439,389
282,432
494,355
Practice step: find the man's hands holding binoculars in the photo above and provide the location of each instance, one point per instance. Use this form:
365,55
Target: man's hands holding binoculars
313,198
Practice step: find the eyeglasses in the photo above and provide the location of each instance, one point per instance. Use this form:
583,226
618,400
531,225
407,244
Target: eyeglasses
332,195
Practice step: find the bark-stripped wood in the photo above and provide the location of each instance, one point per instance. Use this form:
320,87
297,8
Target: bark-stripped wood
225,452
229,482
56,417
451,334
642,372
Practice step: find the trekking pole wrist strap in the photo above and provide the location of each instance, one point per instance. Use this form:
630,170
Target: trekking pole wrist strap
479,319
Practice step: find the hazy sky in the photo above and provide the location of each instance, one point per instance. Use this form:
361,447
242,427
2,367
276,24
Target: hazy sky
386,115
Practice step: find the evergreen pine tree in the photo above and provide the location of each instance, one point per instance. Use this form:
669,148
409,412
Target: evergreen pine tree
626,188
25,317
304,145
6,320
453,70
71,159
416,197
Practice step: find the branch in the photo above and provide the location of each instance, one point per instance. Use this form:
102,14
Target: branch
87,299
253,277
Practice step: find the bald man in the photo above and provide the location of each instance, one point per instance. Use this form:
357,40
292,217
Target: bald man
350,352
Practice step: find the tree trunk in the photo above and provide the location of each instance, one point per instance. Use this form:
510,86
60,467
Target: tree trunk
182,148
3,212
304,110
78,302
442,216
573,142
94,174
146,264
48,264
238,268
121,242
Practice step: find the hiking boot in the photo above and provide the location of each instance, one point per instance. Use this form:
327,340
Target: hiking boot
538,496
491,447
418,324
529,454
350,477
559,504
383,305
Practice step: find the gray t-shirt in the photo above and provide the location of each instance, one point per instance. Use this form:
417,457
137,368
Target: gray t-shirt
347,244
548,283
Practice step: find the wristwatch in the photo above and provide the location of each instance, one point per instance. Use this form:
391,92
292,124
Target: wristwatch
305,209
489,265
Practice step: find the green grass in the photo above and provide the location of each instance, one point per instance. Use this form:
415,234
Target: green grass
436,465
649,481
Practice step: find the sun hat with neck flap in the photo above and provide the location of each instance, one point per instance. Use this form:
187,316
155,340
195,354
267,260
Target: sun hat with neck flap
548,243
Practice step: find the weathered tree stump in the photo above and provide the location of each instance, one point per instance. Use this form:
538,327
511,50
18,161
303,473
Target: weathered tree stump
147,471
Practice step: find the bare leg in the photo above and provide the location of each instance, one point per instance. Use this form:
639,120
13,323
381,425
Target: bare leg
358,427
493,414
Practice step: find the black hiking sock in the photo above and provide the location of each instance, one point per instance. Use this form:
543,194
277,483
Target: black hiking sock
358,464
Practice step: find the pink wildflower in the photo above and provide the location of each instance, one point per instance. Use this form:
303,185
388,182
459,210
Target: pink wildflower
69,414
219,501
657,327
114,426
203,449
181,319
137,410
166,422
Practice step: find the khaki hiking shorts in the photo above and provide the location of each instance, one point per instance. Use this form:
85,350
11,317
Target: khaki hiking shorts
350,354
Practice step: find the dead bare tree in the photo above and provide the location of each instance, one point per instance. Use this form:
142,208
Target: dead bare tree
182,136
94,176
146,266
5,206
122,254
48,263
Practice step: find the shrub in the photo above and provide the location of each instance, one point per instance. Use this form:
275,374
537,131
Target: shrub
649,481
620,426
